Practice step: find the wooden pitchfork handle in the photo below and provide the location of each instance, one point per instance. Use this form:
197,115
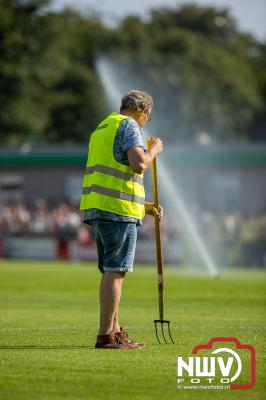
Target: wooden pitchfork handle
158,239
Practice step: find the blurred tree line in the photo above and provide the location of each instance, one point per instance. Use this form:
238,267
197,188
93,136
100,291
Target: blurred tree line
205,75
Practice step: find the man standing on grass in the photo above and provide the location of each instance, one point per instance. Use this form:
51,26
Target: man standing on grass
113,200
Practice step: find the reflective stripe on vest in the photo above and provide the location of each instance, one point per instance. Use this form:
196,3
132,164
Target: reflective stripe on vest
113,193
114,172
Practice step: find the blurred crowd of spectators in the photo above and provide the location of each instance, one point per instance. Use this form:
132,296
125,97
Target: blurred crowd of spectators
231,237
18,219
63,219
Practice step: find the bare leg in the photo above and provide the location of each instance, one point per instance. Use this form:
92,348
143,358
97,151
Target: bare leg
110,293
116,325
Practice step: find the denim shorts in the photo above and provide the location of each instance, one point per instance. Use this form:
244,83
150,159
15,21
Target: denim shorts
116,244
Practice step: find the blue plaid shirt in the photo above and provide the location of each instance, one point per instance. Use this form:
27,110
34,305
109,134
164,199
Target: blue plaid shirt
128,135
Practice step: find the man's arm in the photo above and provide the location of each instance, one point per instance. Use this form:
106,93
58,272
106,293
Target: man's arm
139,160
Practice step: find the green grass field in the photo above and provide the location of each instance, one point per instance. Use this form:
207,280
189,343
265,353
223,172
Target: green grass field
49,318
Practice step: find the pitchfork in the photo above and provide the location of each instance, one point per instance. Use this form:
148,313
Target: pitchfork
161,321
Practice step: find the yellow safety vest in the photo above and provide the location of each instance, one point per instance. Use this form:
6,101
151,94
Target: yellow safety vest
109,185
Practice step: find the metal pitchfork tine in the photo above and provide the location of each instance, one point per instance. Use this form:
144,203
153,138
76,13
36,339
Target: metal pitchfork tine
159,261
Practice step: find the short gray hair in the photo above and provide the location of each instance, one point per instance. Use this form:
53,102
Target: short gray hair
136,100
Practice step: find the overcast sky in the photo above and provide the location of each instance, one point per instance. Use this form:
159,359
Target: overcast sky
250,14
